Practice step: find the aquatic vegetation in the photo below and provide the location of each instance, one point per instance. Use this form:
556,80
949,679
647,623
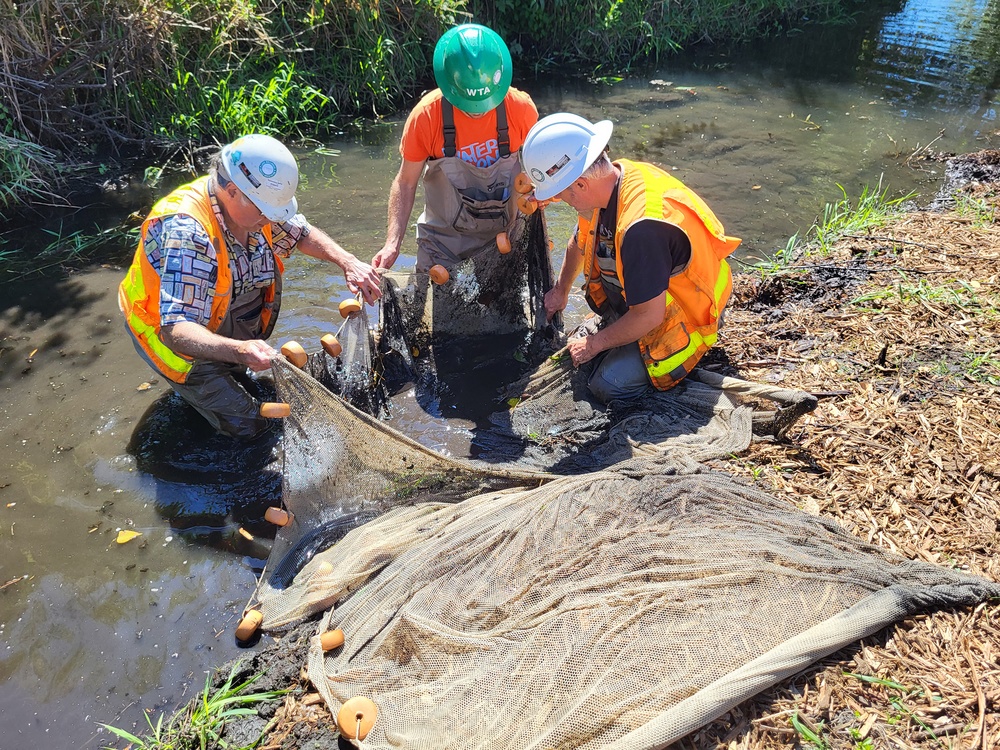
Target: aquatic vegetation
200,726
872,209
601,38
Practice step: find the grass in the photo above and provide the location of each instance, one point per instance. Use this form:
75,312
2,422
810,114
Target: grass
27,172
812,736
872,209
73,249
201,725
978,209
601,39
283,104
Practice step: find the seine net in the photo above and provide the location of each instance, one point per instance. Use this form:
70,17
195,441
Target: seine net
624,608
598,588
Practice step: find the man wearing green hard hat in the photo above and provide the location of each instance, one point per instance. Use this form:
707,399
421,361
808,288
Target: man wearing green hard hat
462,138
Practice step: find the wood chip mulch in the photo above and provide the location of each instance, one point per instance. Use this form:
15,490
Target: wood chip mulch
899,329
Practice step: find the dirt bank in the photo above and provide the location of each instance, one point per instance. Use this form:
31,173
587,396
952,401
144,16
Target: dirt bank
899,330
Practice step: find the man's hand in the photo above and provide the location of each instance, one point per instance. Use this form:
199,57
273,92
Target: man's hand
361,277
555,300
256,354
385,258
582,350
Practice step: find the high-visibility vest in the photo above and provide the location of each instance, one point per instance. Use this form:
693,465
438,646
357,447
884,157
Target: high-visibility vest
695,297
139,292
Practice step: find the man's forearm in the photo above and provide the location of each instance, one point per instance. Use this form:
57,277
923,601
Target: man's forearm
401,200
318,244
197,342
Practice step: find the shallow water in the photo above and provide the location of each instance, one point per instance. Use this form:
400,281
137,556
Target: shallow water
92,631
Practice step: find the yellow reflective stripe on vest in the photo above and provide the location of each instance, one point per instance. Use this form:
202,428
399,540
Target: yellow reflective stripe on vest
725,274
167,356
675,361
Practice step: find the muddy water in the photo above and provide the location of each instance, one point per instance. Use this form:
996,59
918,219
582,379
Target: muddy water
93,631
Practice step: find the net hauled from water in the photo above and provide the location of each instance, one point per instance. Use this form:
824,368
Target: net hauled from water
591,584
486,606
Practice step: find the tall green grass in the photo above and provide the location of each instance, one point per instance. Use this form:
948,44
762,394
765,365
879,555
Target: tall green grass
601,37
873,208
201,725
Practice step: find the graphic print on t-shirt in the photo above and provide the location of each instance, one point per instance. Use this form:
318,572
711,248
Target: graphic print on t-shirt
481,154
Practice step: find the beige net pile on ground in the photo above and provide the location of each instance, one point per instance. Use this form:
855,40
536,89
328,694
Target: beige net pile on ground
619,609
552,423
622,608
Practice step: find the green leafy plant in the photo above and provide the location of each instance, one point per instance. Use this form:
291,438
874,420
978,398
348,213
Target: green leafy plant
872,209
815,738
201,725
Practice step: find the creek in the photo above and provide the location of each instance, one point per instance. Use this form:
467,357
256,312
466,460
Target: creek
93,631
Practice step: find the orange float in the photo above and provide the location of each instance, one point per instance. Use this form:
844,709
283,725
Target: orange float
349,306
503,243
522,183
277,516
294,353
527,204
332,639
275,409
330,345
356,718
248,625
439,274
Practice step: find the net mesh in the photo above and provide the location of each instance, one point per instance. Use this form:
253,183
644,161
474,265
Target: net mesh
590,584
623,609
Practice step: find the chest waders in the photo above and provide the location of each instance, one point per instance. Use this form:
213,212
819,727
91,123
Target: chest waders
465,206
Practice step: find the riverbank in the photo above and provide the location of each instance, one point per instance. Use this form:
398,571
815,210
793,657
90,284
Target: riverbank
93,90
898,328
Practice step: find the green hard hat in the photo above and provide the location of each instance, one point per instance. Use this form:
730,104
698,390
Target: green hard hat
472,68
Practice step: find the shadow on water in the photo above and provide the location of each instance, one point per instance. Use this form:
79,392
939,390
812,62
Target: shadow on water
205,482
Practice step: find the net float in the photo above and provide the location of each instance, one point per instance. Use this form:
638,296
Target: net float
349,306
503,243
522,183
275,409
439,274
356,718
527,204
277,516
330,345
294,353
332,639
249,624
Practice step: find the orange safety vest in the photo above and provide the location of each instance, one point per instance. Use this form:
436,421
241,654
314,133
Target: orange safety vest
139,292
696,296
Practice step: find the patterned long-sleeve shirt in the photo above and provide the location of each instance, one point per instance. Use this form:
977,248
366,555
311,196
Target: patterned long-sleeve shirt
179,247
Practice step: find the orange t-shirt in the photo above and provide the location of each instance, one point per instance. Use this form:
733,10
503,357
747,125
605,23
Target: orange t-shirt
475,137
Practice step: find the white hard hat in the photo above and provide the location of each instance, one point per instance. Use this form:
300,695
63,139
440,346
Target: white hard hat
266,172
559,148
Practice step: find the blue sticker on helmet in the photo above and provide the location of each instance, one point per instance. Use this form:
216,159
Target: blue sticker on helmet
268,168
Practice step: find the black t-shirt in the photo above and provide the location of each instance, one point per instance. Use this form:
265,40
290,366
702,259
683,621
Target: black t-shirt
652,251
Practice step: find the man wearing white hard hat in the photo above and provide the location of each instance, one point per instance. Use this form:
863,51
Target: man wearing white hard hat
204,289
651,251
